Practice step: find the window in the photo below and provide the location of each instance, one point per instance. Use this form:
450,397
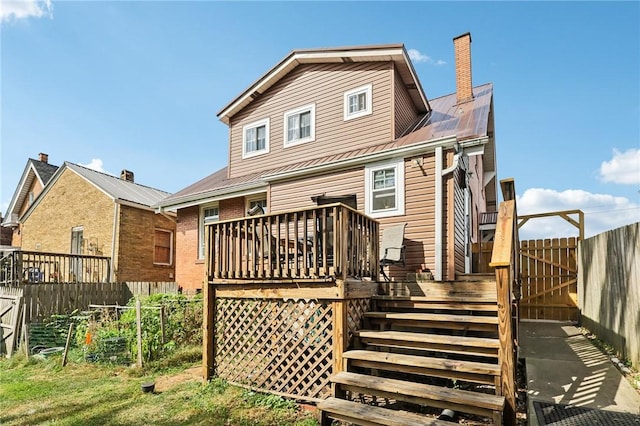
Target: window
162,247
357,102
300,125
255,138
31,197
208,214
384,186
257,200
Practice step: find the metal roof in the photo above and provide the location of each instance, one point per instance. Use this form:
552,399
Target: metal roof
469,120
119,189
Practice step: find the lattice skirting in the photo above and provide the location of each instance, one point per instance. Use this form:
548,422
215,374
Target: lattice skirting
280,346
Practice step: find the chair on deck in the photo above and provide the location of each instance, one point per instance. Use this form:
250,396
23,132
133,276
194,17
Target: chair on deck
392,247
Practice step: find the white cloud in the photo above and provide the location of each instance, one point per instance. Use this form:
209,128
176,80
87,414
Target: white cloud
23,9
416,56
623,168
602,212
94,164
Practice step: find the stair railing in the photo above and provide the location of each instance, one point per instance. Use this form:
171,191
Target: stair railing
506,261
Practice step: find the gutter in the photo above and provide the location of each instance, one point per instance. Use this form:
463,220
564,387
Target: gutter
215,195
407,151
440,173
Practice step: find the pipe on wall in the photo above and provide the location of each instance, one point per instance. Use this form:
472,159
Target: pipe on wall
440,174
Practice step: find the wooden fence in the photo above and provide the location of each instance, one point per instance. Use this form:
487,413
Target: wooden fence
609,288
549,279
43,300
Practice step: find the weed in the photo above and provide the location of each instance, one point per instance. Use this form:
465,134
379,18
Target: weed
274,402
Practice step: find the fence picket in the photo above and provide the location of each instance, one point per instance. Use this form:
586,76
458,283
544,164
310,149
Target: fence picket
43,300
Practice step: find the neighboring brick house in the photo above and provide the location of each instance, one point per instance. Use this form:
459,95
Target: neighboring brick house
82,211
355,120
35,177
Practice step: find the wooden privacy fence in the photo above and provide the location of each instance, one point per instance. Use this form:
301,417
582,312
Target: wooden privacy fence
550,271
609,288
549,278
10,316
43,300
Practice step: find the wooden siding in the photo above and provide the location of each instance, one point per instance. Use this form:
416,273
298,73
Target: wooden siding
293,195
324,85
404,110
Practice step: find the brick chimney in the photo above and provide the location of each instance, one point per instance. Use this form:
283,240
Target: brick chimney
43,157
464,86
126,175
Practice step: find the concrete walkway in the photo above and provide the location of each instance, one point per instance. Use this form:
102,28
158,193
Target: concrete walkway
563,367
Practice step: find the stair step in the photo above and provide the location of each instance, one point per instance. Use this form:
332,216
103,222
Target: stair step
476,372
428,320
363,414
477,346
444,303
422,394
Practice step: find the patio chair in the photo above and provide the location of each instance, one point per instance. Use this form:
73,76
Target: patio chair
392,247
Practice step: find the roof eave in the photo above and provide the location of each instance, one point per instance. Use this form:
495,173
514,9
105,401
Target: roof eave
393,52
191,200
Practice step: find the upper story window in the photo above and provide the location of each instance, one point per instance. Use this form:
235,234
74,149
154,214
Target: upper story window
384,189
255,138
299,125
208,214
31,197
163,247
357,102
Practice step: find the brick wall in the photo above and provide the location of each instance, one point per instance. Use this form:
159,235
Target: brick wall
36,188
136,246
71,202
189,269
232,208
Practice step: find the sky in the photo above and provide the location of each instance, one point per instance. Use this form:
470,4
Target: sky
137,85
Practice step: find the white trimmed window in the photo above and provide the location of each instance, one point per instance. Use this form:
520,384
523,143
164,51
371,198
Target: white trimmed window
163,247
299,125
384,189
257,200
255,138
208,214
357,102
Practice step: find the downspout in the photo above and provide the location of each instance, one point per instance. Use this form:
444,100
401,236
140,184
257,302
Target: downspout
440,173
116,214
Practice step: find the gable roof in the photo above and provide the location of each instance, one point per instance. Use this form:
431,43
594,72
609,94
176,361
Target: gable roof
33,170
374,53
448,122
119,190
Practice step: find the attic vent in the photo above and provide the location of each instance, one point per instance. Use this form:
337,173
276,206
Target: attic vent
126,175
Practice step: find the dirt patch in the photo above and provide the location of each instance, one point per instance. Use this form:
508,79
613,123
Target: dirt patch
164,383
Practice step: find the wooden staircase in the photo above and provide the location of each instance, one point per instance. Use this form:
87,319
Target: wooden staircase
436,347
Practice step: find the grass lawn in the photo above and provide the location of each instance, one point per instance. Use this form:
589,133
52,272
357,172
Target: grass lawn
40,392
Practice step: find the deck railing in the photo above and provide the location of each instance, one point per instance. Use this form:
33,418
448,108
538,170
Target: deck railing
330,241
18,266
506,261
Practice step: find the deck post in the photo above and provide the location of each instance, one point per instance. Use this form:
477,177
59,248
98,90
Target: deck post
340,334
208,320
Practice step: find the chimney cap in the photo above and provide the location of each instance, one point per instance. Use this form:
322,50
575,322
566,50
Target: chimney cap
463,35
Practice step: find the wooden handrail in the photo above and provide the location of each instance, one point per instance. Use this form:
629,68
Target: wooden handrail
505,260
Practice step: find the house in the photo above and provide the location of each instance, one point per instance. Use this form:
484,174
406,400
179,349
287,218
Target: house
354,121
35,177
81,211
